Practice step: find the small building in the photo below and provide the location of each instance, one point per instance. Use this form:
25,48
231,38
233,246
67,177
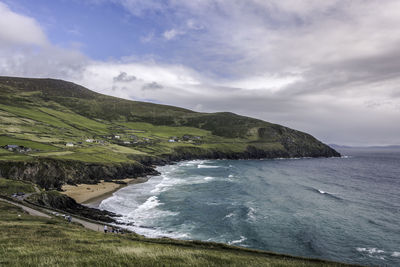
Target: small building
171,140
127,142
69,144
89,140
17,148
11,147
186,137
117,136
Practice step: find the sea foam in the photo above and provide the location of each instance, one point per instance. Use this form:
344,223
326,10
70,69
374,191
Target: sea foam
201,166
242,239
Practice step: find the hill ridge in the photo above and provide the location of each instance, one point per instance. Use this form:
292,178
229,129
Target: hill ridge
58,124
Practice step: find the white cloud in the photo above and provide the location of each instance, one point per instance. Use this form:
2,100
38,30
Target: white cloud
26,51
329,67
16,29
268,82
171,34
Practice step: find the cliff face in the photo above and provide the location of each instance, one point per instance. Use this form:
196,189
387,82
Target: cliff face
251,152
55,200
52,174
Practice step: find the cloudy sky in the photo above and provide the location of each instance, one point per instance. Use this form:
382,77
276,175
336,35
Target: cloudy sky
330,68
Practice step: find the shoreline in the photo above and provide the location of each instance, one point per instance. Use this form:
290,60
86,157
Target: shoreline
91,195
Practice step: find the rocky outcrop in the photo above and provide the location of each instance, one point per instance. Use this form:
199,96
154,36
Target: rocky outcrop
52,174
55,200
251,152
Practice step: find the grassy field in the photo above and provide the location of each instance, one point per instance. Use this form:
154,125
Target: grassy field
45,114
9,187
7,140
33,241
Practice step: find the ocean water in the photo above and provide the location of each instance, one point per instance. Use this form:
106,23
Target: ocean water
345,209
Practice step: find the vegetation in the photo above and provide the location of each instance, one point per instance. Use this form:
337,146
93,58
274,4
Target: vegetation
9,187
25,241
46,114
75,135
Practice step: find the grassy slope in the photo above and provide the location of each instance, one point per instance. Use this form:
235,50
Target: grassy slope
9,187
45,114
24,241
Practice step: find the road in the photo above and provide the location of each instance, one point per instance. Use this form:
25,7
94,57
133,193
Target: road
27,209
86,224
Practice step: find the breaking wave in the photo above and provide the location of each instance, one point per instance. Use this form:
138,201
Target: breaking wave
242,239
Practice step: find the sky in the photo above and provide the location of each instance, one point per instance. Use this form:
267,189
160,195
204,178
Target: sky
330,68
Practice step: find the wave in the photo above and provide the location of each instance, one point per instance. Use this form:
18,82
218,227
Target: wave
208,178
201,166
251,214
229,215
166,183
373,252
378,253
154,232
328,194
242,239
150,203
143,219
396,254
370,250
230,176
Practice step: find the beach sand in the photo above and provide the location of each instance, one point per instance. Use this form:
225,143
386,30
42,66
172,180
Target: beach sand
92,194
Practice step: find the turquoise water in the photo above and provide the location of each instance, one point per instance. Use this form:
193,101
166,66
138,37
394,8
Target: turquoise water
345,209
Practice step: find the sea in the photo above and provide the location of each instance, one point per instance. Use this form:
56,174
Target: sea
342,209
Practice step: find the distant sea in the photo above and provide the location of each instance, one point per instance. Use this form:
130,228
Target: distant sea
344,209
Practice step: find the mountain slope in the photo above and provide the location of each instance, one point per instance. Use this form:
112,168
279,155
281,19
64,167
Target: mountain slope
117,138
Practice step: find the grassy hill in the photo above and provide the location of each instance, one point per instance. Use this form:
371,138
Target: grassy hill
111,137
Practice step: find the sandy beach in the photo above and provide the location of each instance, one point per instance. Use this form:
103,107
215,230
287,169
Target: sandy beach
92,194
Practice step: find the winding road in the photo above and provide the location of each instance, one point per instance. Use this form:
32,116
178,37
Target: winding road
33,212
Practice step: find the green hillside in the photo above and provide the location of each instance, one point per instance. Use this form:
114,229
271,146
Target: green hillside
42,116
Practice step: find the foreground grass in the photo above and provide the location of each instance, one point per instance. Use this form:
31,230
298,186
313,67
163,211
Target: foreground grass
32,241
9,187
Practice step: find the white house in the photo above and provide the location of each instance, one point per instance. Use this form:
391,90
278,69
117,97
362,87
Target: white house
69,144
89,140
171,140
117,136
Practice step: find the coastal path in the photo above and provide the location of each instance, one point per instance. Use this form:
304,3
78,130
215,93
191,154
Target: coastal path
33,212
30,211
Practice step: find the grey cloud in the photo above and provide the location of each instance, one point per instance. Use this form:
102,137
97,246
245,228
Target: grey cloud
348,57
124,77
48,62
152,86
